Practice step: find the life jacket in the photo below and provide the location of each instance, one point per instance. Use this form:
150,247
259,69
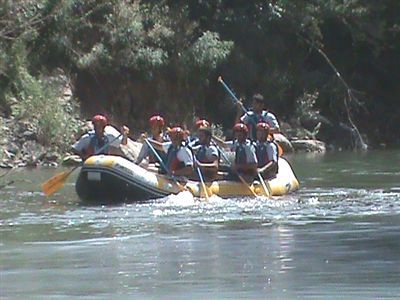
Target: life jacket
152,158
262,153
173,163
97,144
254,120
240,153
201,154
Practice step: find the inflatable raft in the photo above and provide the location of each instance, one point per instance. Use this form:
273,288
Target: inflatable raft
106,179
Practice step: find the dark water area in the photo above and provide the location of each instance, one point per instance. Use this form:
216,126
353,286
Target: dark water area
338,237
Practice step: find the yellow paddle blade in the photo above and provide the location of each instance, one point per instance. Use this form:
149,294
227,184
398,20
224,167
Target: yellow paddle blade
55,183
205,190
265,186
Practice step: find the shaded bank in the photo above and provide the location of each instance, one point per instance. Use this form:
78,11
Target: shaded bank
133,59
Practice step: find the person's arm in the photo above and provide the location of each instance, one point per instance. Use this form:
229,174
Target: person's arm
159,146
144,151
79,147
214,157
248,167
273,123
240,110
272,153
124,133
210,165
266,167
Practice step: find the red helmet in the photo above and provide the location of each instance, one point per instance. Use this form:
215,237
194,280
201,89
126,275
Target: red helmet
240,127
177,132
202,123
206,129
157,120
263,126
100,119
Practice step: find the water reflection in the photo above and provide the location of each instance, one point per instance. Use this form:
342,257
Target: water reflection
337,237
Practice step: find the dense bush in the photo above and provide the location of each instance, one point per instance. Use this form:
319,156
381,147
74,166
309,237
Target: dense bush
133,58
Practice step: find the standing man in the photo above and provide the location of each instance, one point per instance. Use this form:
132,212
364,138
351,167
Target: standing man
256,115
97,141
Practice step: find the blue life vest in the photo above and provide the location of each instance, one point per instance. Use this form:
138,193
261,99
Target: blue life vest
201,154
96,144
240,154
254,120
262,153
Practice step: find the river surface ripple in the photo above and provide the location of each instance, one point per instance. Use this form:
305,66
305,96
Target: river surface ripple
336,238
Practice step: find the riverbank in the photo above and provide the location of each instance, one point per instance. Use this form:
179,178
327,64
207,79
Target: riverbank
24,142
21,146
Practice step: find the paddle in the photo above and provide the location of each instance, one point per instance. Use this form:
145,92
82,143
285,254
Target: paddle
233,96
246,184
203,185
230,164
56,182
181,187
265,186
236,100
280,150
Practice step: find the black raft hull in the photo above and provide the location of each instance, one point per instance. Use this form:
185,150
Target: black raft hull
108,179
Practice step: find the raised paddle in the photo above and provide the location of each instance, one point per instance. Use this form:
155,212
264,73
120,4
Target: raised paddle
266,186
236,100
233,96
56,182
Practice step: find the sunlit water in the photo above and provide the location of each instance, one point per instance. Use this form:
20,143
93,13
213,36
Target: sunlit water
337,238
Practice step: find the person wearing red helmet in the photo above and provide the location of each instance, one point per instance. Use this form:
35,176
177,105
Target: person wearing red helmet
245,162
98,141
266,152
179,160
193,140
207,155
157,124
256,115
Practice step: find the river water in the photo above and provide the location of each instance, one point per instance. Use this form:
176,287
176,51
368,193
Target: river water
336,238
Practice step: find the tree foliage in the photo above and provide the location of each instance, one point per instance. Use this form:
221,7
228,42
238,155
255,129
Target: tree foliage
132,58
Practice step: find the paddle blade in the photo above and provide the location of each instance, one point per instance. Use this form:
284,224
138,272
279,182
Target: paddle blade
55,183
205,191
280,150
